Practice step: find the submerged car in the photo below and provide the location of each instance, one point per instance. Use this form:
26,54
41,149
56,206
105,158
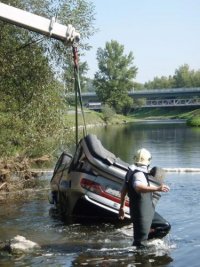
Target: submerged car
87,186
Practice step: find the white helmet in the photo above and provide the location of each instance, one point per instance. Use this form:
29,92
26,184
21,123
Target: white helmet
142,156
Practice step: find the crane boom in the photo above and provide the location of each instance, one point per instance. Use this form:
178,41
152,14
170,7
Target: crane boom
32,22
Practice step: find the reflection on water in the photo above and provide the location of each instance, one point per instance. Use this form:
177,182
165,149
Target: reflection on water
171,144
124,257
105,244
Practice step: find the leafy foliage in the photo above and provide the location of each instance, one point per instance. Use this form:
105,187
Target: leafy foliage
32,100
194,120
107,113
182,78
115,76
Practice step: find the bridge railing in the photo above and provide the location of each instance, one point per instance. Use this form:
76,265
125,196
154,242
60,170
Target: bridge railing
172,102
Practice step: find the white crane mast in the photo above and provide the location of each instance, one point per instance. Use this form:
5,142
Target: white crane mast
32,22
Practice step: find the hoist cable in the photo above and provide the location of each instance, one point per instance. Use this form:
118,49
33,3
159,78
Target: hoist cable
77,89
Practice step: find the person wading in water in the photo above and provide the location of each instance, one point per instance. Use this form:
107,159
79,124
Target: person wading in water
140,193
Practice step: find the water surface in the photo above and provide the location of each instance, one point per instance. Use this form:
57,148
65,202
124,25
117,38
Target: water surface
172,145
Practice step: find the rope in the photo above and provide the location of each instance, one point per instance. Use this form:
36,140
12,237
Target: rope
77,89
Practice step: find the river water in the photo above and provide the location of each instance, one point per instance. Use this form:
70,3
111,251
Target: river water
173,145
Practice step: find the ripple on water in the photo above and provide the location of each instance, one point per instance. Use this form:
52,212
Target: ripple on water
126,256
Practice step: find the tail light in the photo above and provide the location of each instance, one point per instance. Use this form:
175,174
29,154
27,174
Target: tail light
99,190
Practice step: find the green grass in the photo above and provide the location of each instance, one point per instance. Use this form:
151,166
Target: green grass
92,117
166,113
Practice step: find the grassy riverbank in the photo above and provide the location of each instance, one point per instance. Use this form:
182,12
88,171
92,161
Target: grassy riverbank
96,118
93,118
167,113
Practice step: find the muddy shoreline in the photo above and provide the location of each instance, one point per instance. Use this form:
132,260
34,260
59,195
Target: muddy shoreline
18,179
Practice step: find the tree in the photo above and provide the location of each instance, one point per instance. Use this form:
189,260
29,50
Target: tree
160,83
115,77
196,79
32,107
107,113
79,13
183,77
30,98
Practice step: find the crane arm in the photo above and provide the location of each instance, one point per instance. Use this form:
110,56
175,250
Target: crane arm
32,22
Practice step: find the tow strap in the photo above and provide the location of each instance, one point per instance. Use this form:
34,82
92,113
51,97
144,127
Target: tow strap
77,89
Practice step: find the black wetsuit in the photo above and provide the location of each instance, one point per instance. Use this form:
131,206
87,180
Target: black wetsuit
143,215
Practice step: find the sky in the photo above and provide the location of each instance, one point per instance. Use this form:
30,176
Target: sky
162,34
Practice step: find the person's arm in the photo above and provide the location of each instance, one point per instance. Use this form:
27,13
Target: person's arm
141,188
122,202
140,184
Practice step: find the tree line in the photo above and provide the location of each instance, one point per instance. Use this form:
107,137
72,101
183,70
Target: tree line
184,77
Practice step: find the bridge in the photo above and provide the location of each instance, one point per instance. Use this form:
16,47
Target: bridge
158,97
172,102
